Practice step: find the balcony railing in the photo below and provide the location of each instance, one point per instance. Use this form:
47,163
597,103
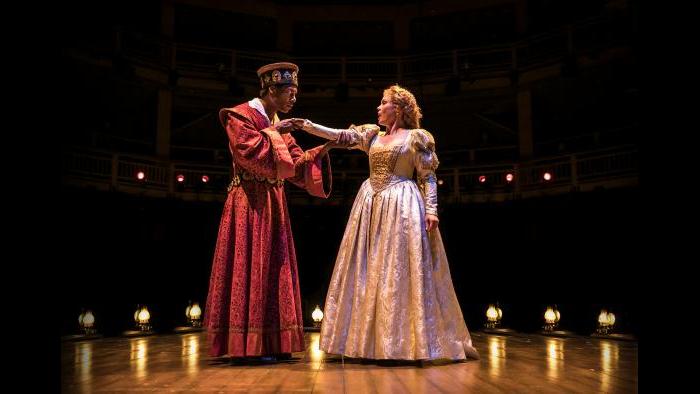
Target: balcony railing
202,62
613,167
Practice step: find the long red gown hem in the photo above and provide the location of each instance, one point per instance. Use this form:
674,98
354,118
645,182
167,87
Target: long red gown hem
239,344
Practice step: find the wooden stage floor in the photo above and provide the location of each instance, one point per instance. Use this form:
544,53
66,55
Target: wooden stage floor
509,364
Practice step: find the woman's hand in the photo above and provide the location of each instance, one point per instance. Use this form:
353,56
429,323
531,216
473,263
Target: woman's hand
284,126
431,222
299,123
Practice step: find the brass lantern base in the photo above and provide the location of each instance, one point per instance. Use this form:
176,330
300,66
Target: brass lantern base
498,331
81,337
186,329
559,333
617,337
137,333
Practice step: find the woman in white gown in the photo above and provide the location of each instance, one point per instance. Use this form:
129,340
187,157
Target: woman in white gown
391,295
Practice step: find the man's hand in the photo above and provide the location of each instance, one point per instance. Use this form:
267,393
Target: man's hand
298,123
284,126
431,222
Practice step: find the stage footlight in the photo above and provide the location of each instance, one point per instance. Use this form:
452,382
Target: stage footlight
317,315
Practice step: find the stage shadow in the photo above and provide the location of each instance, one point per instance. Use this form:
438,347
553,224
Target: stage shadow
253,361
335,360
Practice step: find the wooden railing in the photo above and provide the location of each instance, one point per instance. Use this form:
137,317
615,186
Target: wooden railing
209,62
613,167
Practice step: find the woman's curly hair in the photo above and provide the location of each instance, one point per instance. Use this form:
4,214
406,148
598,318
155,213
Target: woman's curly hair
402,98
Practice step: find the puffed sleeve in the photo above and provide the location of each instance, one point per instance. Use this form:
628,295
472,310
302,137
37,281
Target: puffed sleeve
426,162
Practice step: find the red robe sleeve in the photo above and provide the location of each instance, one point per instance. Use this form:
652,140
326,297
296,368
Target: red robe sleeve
312,170
272,155
260,152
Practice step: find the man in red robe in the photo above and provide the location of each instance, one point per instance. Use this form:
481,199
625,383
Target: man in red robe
253,306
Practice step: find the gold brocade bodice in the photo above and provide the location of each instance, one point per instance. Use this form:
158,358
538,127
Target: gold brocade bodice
390,163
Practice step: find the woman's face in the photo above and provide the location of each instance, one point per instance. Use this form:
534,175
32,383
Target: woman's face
386,112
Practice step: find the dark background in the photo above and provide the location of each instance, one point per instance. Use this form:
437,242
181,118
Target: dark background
580,251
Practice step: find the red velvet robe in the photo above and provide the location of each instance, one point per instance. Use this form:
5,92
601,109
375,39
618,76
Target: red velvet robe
254,306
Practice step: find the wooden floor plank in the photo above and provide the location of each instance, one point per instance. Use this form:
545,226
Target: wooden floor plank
179,363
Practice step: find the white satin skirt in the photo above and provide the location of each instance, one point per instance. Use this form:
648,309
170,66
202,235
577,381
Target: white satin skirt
391,295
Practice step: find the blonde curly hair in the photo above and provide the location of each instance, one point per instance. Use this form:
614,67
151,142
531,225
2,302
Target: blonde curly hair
402,98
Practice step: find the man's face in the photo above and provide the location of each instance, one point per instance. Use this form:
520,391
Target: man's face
284,98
